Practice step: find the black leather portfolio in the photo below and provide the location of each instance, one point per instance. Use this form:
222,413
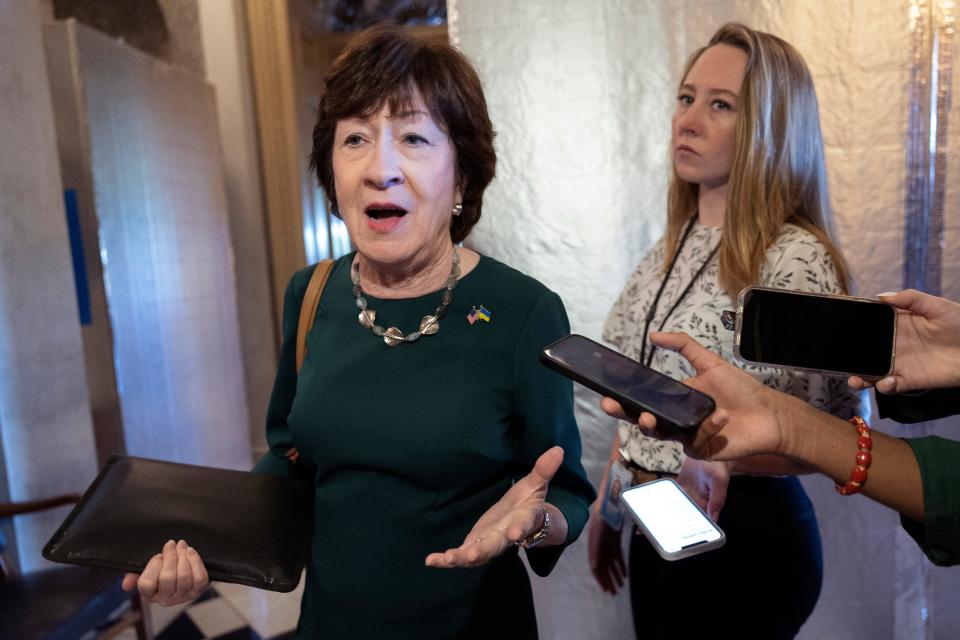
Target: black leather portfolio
249,528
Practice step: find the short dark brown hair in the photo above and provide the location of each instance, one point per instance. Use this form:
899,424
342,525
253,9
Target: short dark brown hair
387,65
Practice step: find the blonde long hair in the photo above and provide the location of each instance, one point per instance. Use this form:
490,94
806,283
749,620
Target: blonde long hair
778,174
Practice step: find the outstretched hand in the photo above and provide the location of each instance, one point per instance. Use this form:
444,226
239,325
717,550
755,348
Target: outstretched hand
927,350
516,515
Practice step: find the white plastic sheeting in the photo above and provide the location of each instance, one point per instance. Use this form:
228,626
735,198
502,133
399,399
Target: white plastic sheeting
581,95
158,191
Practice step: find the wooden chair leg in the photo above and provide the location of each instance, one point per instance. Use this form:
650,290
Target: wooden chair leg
137,617
129,619
145,622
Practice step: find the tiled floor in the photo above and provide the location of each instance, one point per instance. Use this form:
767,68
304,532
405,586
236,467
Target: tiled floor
228,612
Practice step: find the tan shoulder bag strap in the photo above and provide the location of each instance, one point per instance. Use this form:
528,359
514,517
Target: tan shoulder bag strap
308,310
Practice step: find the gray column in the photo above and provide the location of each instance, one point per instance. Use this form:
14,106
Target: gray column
46,435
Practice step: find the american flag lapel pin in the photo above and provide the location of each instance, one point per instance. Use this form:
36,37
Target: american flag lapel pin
479,314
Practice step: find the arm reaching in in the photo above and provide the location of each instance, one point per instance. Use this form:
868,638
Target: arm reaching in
752,419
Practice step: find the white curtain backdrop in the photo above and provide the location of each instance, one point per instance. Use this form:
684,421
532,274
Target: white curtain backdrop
581,95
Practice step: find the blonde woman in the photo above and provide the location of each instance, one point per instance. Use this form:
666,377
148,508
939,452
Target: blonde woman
748,204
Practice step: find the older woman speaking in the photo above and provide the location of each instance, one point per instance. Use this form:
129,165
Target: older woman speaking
432,436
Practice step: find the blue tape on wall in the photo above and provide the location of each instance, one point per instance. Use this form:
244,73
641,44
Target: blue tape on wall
76,250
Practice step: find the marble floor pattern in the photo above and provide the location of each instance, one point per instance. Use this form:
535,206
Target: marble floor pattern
228,612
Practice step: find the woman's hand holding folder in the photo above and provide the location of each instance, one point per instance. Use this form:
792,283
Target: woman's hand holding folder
173,576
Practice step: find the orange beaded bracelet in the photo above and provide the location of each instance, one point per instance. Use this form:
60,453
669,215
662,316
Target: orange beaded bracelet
858,477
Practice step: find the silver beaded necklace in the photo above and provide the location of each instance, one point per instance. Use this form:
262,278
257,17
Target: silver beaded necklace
429,324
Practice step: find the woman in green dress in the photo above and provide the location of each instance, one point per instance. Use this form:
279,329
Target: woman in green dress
437,446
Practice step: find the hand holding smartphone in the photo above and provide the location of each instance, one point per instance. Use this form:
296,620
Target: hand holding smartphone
837,335
674,524
679,409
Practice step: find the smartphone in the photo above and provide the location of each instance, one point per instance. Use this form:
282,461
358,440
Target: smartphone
672,522
830,334
677,407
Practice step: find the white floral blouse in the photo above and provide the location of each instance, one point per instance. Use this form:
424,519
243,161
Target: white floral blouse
796,260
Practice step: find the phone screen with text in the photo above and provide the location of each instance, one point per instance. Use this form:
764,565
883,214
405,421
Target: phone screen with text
669,516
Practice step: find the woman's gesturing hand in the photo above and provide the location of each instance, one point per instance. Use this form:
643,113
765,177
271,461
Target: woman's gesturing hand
516,515
173,576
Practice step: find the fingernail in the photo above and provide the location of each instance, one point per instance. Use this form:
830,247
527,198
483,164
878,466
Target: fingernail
191,550
886,293
171,541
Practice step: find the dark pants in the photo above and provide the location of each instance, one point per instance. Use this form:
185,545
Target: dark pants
762,584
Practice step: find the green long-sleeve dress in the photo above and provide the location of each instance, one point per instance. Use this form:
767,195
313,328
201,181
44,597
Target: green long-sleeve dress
408,446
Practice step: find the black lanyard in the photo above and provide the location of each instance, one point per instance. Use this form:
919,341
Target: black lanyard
656,300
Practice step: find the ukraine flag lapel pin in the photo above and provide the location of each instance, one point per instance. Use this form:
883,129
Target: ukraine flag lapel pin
478,314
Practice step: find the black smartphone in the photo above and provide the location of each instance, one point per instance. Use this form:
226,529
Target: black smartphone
822,333
677,407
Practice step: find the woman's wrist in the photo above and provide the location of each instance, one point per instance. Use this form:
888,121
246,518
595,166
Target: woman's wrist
558,526
784,410
815,438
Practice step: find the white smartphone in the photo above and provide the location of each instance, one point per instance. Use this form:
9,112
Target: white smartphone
673,523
